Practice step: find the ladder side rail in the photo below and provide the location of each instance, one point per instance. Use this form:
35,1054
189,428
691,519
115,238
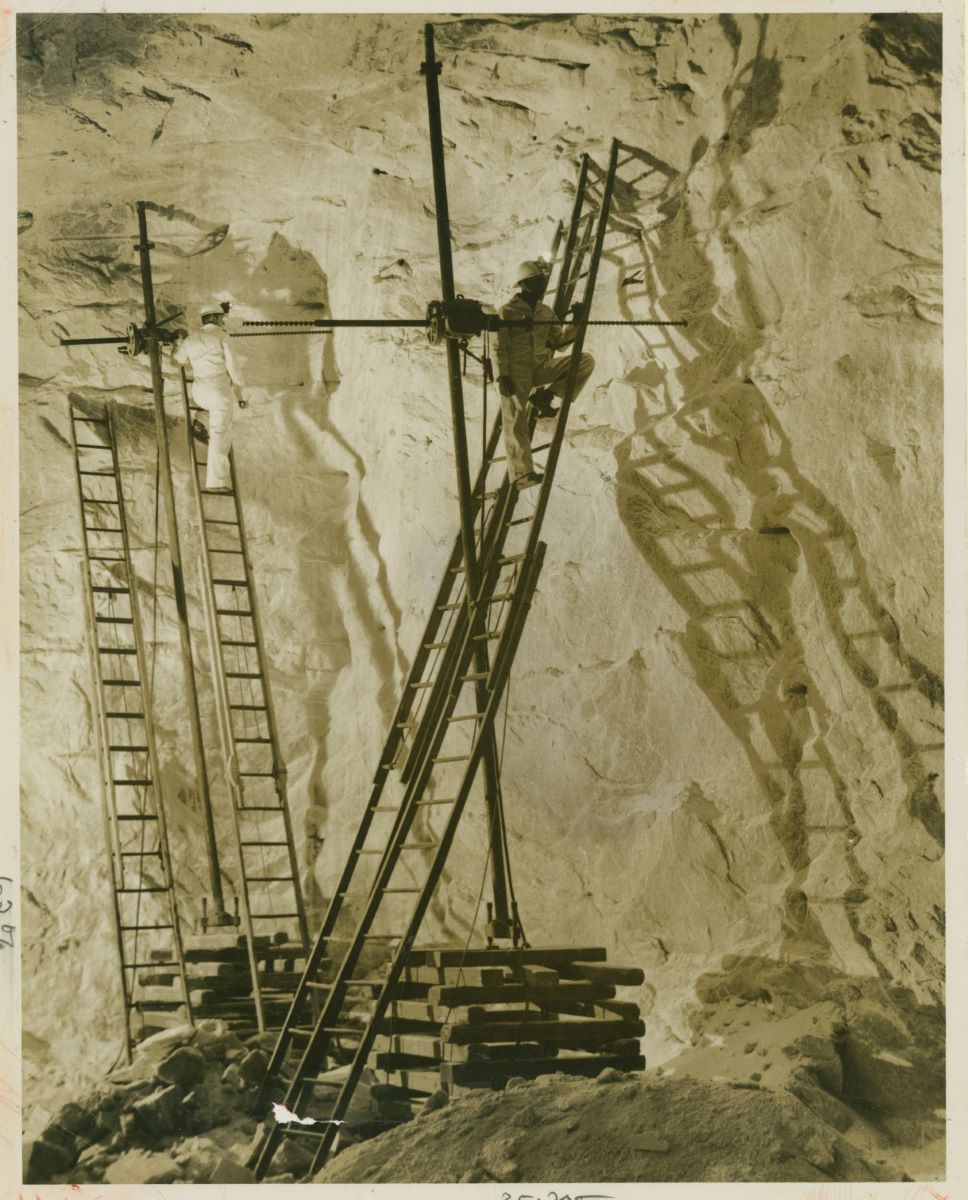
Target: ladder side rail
504,657
315,1050
566,262
576,351
450,585
150,740
101,738
495,533
222,711
278,763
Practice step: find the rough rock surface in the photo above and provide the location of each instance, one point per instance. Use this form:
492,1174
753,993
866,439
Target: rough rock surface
726,713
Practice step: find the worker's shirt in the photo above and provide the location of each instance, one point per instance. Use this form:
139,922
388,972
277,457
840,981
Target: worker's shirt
210,353
520,351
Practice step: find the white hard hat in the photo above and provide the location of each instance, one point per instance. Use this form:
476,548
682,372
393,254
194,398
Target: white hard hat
210,310
532,268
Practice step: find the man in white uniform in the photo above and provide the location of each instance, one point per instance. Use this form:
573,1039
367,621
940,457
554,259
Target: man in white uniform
525,360
217,386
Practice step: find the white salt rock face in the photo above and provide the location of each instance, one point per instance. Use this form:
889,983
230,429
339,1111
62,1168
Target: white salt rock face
663,769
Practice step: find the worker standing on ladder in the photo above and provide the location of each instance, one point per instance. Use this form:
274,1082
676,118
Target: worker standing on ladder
526,360
217,387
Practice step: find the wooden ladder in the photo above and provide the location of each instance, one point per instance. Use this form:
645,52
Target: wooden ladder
272,909
145,910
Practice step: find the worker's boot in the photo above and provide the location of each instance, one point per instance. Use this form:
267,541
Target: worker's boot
199,430
531,479
541,402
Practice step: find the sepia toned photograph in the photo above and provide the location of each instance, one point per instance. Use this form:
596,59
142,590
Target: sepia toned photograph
482,611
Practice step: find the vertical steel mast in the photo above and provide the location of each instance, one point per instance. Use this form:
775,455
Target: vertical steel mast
501,925
218,916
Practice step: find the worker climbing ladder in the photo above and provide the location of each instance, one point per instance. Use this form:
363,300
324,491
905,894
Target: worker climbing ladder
145,909
439,735
272,910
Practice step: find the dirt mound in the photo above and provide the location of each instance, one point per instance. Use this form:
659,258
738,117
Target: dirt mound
618,1128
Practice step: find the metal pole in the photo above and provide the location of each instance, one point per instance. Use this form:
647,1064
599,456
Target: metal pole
221,917
430,69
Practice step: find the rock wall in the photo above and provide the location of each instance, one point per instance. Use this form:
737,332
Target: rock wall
725,717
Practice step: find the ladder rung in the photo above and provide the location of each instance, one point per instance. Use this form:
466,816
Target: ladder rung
94,446
424,684
242,675
387,808
486,637
113,590
255,741
114,620
140,853
448,758
139,966
254,916
521,520
127,749
263,843
319,987
103,529
450,607
510,558
476,675
122,683
247,808
420,845
140,890
402,891
234,612
129,928
133,783
213,521
230,582
212,491
341,1029
268,878
106,473
116,650
249,707
125,716
371,852
475,716
425,803
107,557
436,645
257,774
499,596
236,642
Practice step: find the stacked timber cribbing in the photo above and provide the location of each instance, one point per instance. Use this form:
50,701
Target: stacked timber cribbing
480,1016
220,982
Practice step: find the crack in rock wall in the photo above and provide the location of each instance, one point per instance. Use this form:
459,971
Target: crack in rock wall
724,732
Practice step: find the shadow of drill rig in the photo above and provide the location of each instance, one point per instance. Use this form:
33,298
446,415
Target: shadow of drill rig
735,584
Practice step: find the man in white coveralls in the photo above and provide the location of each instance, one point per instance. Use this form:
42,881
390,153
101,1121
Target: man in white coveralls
217,386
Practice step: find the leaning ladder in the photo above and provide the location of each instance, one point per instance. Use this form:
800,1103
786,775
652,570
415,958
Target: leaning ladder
273,913
145,909
404,839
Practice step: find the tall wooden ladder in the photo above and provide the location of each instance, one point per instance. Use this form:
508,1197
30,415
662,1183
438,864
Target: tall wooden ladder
438,737
145,910
272,910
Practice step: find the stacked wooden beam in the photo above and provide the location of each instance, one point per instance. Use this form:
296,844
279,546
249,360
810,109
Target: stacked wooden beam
477,1017
220,982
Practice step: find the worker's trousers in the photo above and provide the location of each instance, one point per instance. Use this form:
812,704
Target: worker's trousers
514,408
217,397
